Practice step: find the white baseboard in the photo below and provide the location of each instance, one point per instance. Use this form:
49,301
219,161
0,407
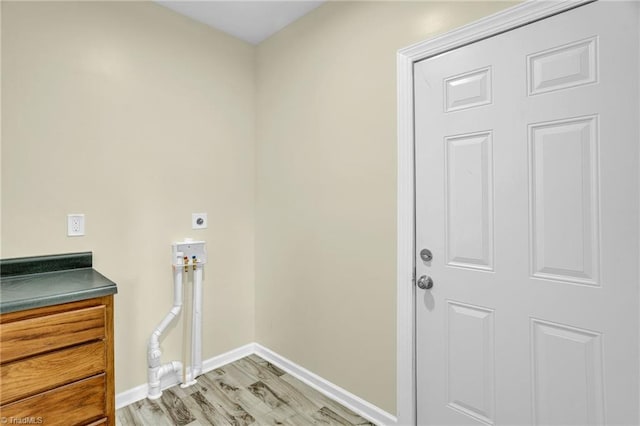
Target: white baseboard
342,396
130,396
140,392
227,357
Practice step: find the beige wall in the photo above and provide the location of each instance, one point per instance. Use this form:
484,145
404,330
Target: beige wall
326,186
105,105
136,117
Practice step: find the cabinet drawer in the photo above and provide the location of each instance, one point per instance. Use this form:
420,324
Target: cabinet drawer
36,374
74,404
23,338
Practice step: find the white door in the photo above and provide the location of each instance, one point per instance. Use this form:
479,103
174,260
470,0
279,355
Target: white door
527,187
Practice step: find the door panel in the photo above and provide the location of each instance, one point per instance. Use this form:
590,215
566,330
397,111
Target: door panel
468,204
470,381
567,375
563,159
527,195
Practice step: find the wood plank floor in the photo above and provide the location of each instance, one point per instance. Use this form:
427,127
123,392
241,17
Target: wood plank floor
250,391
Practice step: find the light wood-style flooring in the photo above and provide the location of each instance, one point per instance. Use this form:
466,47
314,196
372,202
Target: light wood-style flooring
250,391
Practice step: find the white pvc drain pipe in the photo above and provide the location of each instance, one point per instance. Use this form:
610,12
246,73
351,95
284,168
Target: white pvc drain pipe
188,256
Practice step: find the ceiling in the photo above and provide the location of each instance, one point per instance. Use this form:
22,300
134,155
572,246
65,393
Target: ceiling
251,21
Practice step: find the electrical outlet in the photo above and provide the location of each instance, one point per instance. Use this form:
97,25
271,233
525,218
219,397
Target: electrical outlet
198,220
75,225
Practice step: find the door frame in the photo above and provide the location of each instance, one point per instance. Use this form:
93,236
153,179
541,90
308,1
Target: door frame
506,20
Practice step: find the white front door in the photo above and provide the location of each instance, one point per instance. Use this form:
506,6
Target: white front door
527,187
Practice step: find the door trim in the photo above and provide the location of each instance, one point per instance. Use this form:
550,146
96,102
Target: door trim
506,20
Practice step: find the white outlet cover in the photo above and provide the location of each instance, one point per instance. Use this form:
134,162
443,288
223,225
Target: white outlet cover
75,225
198,220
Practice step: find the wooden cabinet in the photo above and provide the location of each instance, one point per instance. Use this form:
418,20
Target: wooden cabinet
56,364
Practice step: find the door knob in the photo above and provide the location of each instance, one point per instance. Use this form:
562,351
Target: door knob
425,282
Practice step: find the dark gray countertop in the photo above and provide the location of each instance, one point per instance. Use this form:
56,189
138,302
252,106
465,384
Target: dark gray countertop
20,291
